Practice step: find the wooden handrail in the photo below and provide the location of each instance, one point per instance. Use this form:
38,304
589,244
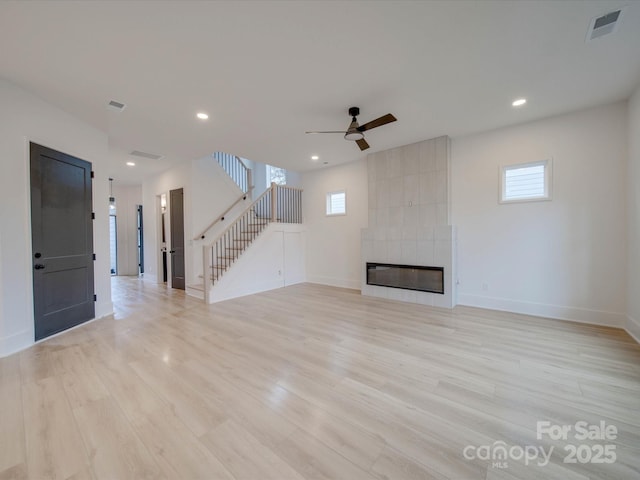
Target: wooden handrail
239,216
242,197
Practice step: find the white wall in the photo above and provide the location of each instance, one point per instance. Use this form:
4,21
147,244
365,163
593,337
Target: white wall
333,243
563,258
24,118
208,192
172,179
633,215
127,200
273,260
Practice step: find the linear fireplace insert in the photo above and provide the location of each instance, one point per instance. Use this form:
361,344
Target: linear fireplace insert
408,277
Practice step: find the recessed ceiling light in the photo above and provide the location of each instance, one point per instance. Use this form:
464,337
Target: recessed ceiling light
315,157
202,116
519,102
131,164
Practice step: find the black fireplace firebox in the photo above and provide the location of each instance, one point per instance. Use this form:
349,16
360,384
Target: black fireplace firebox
408,277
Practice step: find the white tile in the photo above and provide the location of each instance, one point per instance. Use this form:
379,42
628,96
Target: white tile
442,214
394,162
396,216
394,233
366,234
410,160
382,192
371,168
396,195
367,250
443,301
409,233
373,218
426,233
427,187
424,252
427,156
442,153
442,254
380,233
441,186
373,195
411,216
427,216
394,251
411,190
424,298
383,217
442,232
408,296
381,166
408,256
380,251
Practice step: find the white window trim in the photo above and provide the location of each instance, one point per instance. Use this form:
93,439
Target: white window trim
268,175
328,199
548,181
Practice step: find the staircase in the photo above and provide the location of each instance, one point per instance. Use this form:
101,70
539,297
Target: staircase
278,203
236,169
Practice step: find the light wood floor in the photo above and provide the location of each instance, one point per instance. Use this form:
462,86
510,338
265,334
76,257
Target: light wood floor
310,382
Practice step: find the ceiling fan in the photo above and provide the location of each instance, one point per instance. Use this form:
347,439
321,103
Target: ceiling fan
355,132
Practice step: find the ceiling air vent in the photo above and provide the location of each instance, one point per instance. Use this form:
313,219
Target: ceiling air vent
603,25
116,106
152,156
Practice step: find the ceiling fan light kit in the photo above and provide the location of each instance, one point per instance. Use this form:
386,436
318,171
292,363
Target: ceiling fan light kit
354,131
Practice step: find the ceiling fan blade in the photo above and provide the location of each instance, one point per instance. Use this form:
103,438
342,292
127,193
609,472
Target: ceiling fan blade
362,143
378,122
332,131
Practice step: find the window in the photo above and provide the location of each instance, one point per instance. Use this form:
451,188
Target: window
337,203
525,182
276,175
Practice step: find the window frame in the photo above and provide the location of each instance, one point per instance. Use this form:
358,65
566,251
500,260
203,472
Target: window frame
548,181
268,175
328,211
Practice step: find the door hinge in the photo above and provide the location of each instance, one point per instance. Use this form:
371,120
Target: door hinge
95,298
92,174
94,256
93,215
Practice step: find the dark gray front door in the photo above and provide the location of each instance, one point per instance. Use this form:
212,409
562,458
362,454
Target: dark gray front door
62,241
176,207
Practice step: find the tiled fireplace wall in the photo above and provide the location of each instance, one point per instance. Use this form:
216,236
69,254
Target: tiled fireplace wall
409,217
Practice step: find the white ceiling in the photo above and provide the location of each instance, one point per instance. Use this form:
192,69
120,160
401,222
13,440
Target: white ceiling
267,71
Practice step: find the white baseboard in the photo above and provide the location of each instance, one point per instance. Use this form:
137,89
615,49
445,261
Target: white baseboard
633,328
574,314
149,277
15,343
334,282
20,341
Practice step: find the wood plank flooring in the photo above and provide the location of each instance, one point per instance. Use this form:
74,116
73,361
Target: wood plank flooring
312,382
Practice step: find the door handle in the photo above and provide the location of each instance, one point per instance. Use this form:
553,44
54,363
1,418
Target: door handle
38,266
172,251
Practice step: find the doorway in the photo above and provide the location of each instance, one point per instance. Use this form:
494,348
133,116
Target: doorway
176,229
62,240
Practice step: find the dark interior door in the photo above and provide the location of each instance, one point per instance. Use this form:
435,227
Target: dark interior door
140,240
176,208
62,241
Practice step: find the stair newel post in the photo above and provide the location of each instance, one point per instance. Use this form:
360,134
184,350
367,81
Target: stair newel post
249,179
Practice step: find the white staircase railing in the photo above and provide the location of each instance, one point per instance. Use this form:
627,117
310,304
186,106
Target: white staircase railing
236,169
278,203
